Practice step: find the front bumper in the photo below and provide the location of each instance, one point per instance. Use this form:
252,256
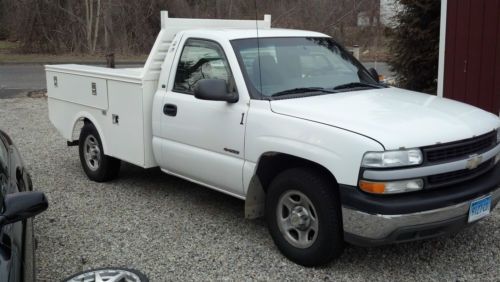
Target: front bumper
370,220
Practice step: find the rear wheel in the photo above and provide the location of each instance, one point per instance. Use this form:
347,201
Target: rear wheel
303,214
95,163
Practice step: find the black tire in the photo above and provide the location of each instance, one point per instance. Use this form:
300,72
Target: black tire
107,168
328,242
75,277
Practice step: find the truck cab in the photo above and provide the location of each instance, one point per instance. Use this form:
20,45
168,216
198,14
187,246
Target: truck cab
290,122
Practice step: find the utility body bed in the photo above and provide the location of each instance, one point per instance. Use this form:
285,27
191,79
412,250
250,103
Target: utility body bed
119,101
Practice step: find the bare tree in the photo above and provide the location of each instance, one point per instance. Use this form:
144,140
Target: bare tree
92,23
131,26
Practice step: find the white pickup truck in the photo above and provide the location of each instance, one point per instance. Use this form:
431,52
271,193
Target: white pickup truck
290,122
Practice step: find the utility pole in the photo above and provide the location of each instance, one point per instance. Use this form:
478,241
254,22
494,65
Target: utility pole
108,35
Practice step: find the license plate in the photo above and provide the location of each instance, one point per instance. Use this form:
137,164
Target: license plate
479,208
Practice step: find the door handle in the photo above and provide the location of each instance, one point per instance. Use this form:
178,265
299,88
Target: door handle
170,110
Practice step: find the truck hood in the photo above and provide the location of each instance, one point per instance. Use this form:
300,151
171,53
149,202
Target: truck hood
394,117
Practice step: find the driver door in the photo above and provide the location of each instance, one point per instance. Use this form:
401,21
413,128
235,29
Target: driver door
202,140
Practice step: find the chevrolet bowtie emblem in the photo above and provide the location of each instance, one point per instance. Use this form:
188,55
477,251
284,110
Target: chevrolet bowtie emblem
474,161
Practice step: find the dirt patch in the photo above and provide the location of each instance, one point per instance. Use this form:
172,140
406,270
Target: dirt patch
6,93
38,93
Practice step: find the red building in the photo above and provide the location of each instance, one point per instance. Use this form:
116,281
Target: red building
469,63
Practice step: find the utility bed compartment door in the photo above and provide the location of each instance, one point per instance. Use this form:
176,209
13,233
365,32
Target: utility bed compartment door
124,126
78,89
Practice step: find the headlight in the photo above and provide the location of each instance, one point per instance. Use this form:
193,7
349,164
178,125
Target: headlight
392,158
391,187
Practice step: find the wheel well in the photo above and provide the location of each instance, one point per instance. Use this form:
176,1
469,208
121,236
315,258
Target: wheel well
77,127
271,164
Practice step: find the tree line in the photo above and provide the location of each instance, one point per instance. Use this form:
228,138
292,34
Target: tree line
89,26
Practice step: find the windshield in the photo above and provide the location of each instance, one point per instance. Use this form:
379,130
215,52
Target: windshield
289,65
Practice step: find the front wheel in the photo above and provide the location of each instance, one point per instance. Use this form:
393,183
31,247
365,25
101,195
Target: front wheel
303,214
95,163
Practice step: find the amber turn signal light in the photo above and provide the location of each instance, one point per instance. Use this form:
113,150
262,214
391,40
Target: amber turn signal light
372,187
391,187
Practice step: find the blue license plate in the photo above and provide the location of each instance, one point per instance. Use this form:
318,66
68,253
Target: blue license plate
479,208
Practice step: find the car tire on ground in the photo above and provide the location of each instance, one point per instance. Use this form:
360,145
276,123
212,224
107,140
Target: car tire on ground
304,217
95,163
108,274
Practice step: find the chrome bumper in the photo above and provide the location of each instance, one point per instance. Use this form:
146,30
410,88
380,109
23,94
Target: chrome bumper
379,226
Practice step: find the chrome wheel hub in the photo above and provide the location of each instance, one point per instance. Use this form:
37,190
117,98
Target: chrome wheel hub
92,153
297,219
300,218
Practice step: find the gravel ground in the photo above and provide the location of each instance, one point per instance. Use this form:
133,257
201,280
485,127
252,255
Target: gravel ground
174,230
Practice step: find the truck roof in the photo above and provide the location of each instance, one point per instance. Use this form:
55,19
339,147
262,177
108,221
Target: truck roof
240,33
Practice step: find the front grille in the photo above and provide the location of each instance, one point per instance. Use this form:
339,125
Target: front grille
453,177
460,149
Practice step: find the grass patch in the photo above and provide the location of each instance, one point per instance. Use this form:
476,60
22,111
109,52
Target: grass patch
6,46
65,58
9,54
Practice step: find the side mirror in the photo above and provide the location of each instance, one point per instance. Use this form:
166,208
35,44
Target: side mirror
21,206
214,90
374,74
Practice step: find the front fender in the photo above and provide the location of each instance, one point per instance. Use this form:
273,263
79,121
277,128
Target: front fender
338,150
302,149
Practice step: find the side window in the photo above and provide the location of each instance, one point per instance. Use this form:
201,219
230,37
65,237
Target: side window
4,170
201,59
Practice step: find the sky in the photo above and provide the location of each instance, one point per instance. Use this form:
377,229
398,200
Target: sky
387,10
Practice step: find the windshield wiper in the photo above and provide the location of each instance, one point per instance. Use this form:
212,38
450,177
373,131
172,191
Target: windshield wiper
357,85
302,90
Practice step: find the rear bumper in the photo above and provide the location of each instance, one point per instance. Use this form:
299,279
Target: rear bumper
370,220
